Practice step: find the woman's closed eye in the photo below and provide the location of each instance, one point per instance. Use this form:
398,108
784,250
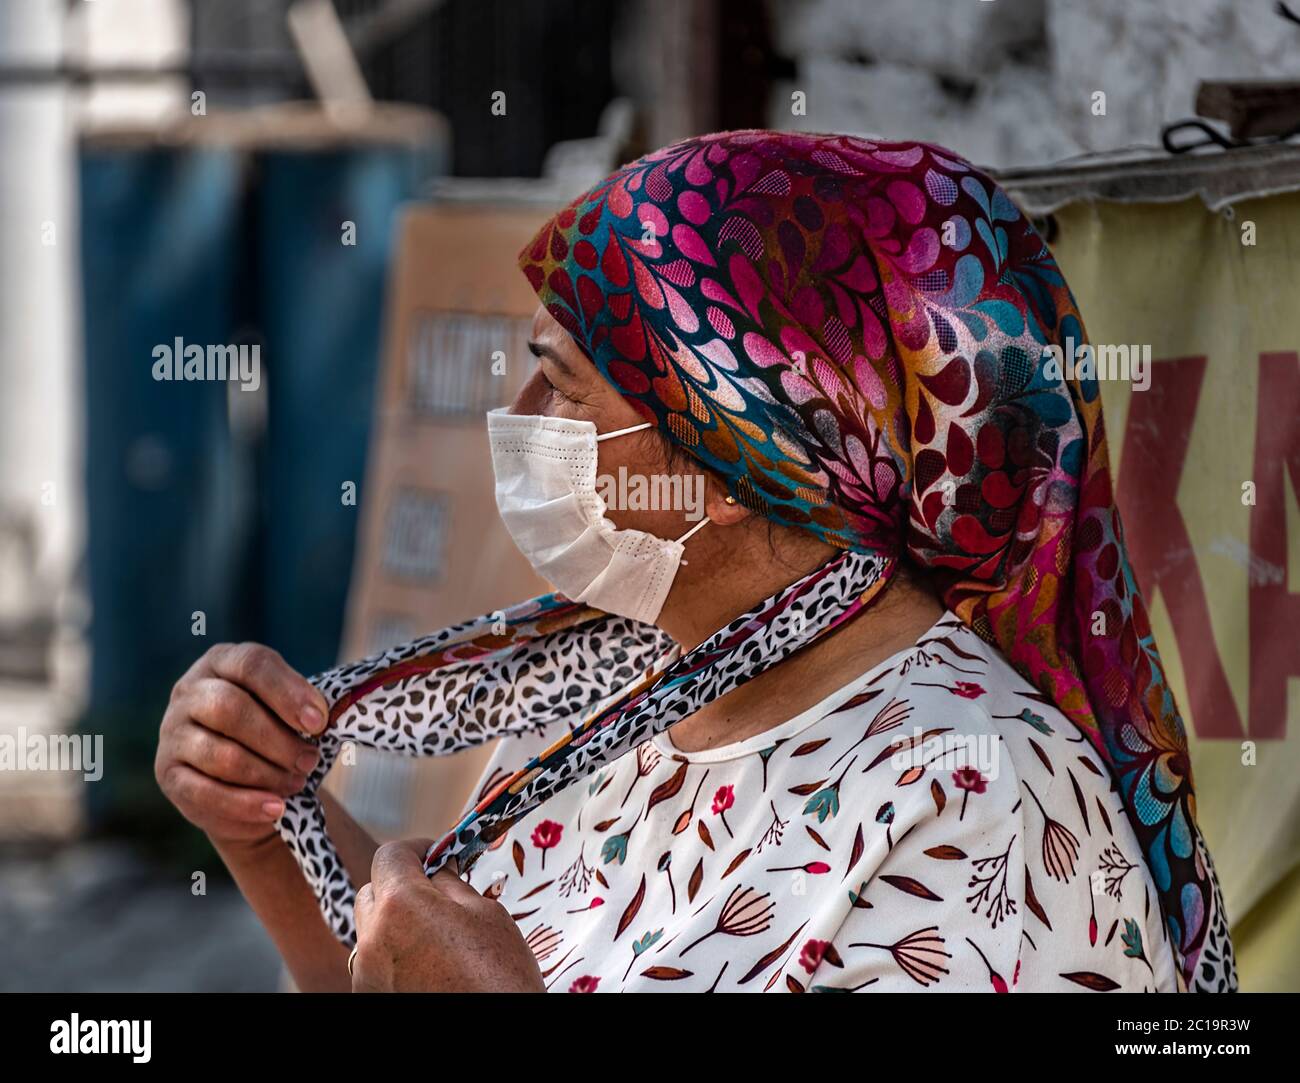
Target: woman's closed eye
543,356
559,392
560,387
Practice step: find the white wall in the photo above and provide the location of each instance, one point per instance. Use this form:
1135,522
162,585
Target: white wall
877,66
42,517
40,384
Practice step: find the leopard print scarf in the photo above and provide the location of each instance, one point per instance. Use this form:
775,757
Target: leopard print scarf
536,663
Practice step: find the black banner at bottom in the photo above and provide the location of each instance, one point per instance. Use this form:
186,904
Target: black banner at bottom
341,1033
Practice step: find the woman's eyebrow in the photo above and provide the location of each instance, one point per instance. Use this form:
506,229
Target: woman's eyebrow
540,349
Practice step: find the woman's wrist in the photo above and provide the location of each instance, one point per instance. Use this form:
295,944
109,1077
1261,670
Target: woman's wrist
271,881
246,850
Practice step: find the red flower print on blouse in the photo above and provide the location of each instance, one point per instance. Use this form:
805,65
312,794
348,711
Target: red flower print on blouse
996,980
813,868
595,902
585,984
545,835
971,781
723,800
813,952
965,689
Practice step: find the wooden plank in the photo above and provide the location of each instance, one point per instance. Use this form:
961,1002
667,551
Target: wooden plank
1252,108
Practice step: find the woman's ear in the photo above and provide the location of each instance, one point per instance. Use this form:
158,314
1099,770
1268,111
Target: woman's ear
720,507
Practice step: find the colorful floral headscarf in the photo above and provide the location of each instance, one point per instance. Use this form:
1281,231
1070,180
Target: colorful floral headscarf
851,334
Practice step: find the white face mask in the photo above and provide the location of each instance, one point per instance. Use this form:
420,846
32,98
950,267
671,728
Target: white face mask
546,493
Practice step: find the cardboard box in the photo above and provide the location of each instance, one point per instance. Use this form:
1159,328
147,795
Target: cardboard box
431,549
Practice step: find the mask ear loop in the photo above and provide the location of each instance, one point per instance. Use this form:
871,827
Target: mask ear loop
649,425
624,432
683,539
694,530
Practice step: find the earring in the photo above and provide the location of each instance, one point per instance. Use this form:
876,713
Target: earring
730,500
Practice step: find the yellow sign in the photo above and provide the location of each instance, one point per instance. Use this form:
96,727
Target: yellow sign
1207,468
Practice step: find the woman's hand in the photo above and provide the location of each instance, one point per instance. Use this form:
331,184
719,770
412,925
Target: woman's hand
228,748
416,934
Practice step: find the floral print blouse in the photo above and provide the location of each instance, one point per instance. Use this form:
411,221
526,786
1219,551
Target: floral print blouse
935,824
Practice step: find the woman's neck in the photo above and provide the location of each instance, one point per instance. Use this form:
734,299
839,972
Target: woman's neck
906,610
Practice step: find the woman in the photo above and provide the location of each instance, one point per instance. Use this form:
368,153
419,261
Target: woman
920,734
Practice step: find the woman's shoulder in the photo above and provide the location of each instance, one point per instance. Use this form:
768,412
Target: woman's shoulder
950,718
991,795
952,685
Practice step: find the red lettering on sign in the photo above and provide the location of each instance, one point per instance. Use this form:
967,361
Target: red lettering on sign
1274,611
1156,436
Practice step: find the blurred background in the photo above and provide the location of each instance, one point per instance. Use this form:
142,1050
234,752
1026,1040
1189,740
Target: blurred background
340,189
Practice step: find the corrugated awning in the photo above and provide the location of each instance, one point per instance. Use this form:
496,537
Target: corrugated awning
1220,178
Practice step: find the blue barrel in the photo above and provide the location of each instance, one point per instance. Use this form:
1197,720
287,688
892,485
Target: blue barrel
322,311
196,503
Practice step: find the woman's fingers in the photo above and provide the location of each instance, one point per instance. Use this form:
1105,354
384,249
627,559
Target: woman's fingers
395,862
227,709
229,749
362,908
220,801
266,675
226,760
454,888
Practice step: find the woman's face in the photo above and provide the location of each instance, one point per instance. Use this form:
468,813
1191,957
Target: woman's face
566,384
